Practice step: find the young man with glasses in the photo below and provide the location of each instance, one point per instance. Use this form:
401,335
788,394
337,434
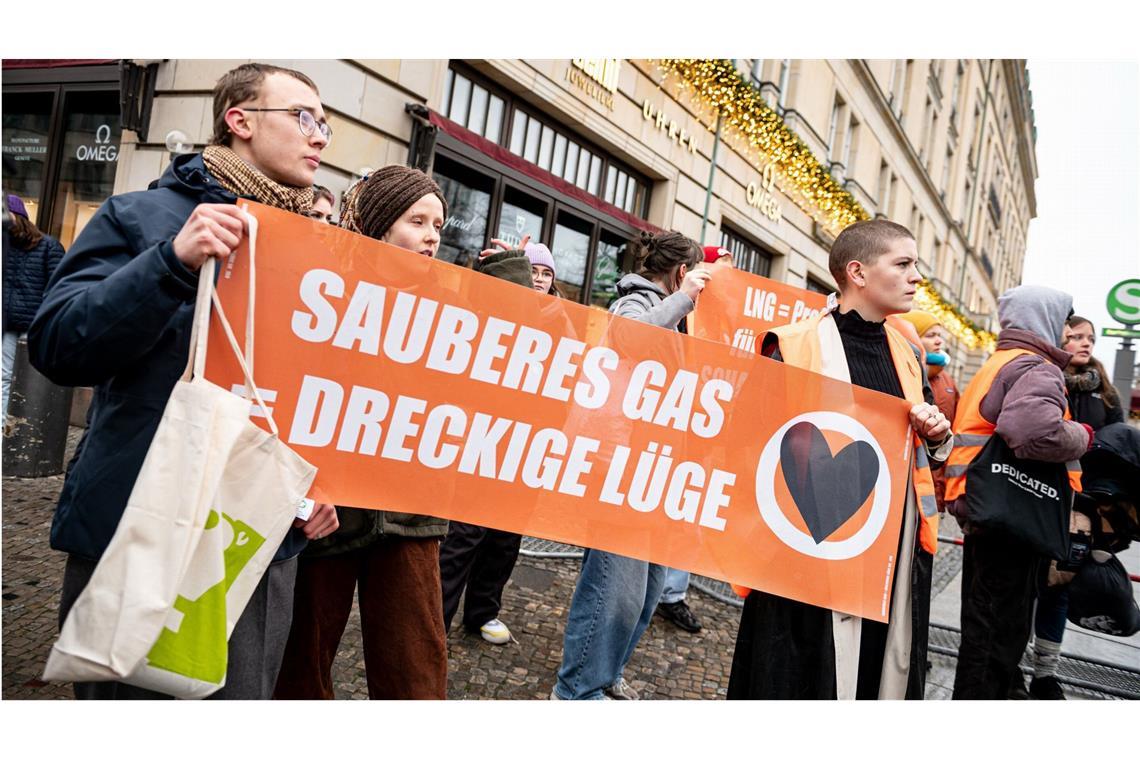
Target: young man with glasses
117,316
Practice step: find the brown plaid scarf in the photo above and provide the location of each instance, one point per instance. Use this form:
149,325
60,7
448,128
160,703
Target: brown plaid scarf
241,179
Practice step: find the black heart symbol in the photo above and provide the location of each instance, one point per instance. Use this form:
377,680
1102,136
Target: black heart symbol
827,490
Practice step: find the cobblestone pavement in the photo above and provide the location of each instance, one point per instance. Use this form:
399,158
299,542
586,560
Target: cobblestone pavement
668,664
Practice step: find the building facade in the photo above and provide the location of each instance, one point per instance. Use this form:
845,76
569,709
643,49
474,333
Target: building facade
583,153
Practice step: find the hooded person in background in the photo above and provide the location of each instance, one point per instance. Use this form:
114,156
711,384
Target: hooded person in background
932,336
118,314
28,265
1019,394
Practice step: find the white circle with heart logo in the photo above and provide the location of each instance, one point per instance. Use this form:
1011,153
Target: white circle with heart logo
780,524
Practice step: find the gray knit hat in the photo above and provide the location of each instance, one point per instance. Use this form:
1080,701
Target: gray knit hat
388,193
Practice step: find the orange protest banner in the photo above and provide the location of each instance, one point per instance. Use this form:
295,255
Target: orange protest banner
418,386
738,307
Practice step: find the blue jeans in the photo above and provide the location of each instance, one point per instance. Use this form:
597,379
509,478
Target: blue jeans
1052,612
10,339
676,584
612,605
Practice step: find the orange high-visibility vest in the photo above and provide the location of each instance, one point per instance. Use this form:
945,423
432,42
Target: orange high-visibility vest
972,431
800,347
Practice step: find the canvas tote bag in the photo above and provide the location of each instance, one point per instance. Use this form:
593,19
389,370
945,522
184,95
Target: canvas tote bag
214,499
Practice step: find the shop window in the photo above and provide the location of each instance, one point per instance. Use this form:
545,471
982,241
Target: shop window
521,215
61,143
468,195
608,268
90,152
745,254
27,127
571,249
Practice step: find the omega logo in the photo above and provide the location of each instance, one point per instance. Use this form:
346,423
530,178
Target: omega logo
102,150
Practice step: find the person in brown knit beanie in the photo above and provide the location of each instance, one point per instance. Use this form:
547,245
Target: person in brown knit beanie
390,201
392,558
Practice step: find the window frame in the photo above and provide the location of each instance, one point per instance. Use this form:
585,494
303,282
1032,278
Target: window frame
505,177
60,83
732,239
515,108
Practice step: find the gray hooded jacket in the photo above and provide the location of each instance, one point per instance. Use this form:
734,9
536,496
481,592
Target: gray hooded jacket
645,301
1027,401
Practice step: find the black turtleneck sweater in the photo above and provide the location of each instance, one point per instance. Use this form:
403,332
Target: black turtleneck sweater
868,353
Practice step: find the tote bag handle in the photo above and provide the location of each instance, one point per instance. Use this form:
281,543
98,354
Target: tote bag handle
207,292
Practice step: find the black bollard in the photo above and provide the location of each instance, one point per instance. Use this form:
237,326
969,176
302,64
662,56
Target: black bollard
35,435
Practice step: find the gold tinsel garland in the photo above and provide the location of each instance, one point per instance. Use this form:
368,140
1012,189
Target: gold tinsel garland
718,88
928,299
722,90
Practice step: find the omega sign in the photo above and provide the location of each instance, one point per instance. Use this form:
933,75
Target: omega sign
102,150
759,195
597,77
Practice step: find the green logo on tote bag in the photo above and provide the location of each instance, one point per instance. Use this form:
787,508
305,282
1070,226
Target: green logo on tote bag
197,648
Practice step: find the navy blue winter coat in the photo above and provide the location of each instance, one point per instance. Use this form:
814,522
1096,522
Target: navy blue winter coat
26,275
117,316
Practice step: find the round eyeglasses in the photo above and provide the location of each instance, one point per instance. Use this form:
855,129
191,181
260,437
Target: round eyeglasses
305,121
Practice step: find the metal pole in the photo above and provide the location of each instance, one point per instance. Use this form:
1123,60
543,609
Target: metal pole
1123,374
712,174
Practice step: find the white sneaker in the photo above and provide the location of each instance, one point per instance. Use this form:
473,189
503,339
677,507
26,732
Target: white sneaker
495,632
622,690
554,696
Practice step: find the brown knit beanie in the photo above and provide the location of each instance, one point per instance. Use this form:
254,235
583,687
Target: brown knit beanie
387,194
